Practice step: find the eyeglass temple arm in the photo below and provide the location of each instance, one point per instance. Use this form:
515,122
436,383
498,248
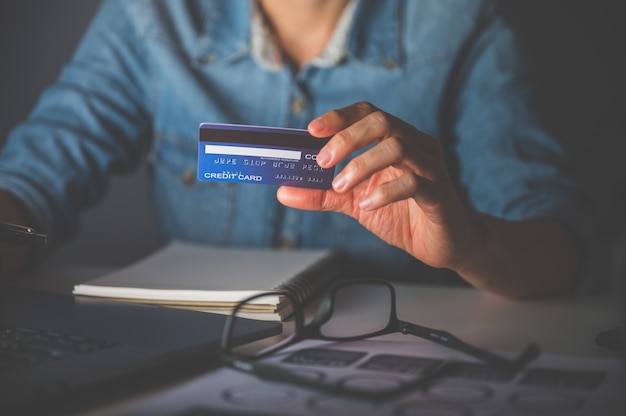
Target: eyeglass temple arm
445,338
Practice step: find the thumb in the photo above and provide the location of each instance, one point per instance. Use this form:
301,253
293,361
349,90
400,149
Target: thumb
309,199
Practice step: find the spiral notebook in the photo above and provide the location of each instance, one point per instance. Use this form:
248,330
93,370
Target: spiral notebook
215,279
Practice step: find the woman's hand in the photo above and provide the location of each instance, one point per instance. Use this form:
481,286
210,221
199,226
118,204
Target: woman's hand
399,188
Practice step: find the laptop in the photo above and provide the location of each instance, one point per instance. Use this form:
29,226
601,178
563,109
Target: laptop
89,348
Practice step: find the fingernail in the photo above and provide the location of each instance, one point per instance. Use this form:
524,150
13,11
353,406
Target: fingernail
339,183
317,125
323,157
366,203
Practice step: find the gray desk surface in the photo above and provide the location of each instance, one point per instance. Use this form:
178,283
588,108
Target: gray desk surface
564,325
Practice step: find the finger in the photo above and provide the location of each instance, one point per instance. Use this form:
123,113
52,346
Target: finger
334,121
373,127
309,199
409,185
397,152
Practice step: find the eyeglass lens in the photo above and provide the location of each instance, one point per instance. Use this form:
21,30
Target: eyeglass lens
358,310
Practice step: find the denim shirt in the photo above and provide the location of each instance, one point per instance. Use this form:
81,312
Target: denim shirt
148,72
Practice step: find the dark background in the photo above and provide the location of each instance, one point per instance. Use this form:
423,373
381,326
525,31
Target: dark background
38,36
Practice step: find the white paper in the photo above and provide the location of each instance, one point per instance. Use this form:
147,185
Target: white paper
226,391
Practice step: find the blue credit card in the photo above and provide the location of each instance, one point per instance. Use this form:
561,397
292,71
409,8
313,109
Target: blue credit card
262,155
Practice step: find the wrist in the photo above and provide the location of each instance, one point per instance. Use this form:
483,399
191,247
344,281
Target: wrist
519,259
479,240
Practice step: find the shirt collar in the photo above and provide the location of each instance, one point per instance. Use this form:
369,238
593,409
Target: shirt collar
265,51
368,31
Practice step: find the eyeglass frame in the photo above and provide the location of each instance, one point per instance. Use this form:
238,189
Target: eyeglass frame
324,313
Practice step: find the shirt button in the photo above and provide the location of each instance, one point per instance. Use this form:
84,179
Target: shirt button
390,63
297,106
286,243
206,59
189,176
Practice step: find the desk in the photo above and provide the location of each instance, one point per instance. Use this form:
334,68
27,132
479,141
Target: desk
563,325
566,325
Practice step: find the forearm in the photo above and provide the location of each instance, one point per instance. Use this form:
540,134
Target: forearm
13,256
521,259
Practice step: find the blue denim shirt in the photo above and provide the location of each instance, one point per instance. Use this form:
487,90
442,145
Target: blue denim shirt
148,72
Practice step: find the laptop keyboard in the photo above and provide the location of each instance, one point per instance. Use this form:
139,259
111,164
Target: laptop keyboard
22,347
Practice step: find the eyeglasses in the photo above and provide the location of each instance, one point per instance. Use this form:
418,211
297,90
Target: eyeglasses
349,311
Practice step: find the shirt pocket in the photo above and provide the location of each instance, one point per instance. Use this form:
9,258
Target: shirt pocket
187,208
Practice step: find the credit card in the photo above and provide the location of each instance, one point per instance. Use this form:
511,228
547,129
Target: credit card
261,155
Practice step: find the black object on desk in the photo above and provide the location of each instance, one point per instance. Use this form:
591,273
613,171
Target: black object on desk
19,234
89,346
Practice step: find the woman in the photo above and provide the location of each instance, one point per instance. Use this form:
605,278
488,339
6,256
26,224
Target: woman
441,158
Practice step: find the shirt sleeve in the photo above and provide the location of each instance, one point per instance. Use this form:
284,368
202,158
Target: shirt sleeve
513,159
91,122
